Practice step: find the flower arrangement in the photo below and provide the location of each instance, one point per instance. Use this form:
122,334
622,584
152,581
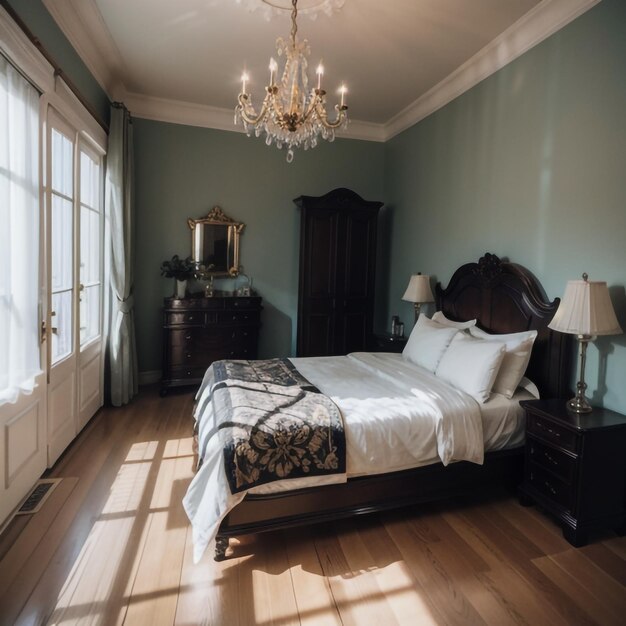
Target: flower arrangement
180,269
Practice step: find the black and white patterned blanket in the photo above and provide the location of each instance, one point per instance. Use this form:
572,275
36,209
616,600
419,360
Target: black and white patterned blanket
274,424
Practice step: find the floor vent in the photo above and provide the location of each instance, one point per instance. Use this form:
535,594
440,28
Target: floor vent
38,496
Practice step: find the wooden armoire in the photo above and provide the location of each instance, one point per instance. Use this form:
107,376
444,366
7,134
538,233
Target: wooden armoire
337,273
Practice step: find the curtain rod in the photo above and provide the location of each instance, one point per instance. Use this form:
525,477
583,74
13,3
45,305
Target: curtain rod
58,71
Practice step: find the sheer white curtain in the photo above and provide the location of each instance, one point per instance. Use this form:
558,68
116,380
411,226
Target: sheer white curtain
19,234
118,207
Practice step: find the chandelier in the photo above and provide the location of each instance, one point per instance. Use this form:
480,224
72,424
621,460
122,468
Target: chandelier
291,115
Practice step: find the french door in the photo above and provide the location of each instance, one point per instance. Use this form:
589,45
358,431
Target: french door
74,227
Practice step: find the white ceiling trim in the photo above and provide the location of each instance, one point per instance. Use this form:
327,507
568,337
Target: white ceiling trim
82,23
532,28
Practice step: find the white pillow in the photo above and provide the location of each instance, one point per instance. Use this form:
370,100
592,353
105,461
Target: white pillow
529,386
515,362
471,365
440,318
427,343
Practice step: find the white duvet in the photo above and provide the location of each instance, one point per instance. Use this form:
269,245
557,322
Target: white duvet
396,416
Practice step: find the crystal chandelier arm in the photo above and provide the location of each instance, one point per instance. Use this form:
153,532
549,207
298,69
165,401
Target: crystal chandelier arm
245,114
323,116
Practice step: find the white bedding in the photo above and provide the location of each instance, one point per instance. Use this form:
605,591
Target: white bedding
396,416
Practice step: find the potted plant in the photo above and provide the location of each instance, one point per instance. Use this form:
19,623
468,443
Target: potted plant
179,269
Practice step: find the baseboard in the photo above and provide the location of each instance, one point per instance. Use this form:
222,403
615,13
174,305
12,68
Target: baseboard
150,377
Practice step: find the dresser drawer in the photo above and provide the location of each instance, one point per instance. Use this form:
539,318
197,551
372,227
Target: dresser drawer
548,485
553,433
193,318
559,463
239,317
187,357
244,303
183,373
185,336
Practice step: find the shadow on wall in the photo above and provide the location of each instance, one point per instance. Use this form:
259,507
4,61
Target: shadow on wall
606,345
275,335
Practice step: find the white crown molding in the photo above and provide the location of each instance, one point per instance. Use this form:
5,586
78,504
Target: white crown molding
205,116
83,25
538,24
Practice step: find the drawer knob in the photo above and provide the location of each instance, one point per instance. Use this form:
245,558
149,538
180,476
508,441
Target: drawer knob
550,459
548,429
189,355
550,488
188,336
188,372
190,318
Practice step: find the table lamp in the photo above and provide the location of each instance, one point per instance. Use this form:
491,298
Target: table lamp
418,292
585,311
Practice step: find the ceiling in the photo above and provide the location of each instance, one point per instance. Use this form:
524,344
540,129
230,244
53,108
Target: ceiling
160,55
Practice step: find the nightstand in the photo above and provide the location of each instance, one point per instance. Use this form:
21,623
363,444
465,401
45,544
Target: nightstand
386,342
575,467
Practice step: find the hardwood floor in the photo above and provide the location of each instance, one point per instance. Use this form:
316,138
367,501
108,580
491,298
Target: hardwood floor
112,546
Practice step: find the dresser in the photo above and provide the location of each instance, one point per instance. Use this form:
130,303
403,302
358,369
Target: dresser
337,273
198,331
575,467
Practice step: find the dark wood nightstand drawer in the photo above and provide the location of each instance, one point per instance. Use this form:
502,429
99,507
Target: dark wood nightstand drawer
553,433
549,486
548,457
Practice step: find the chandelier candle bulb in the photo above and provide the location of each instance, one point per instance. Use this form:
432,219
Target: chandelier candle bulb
320,73
244,79
343,90
273,68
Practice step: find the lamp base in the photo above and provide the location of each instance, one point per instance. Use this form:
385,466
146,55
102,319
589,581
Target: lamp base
579,404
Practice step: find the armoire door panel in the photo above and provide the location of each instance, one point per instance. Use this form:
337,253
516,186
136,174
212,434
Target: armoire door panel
322,231
358,249
319,335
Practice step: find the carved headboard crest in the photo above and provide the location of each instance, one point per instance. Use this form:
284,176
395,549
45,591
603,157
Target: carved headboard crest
489,267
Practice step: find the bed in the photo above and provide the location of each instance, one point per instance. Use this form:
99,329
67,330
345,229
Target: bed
504,298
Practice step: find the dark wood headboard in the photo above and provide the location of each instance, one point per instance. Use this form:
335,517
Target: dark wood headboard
505,298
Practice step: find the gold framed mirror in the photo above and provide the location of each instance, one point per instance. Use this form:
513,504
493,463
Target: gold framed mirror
215,244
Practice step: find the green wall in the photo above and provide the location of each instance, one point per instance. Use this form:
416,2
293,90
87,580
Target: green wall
40,22
183,171
530,164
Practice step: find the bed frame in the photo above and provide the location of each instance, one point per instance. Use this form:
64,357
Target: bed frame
504,297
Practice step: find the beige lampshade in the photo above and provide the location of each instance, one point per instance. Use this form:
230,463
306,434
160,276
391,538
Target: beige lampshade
419,289
586,309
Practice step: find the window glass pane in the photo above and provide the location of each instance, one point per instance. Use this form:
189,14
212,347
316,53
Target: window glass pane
89,183
62,165
89,246
62,321
89,313
61,243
